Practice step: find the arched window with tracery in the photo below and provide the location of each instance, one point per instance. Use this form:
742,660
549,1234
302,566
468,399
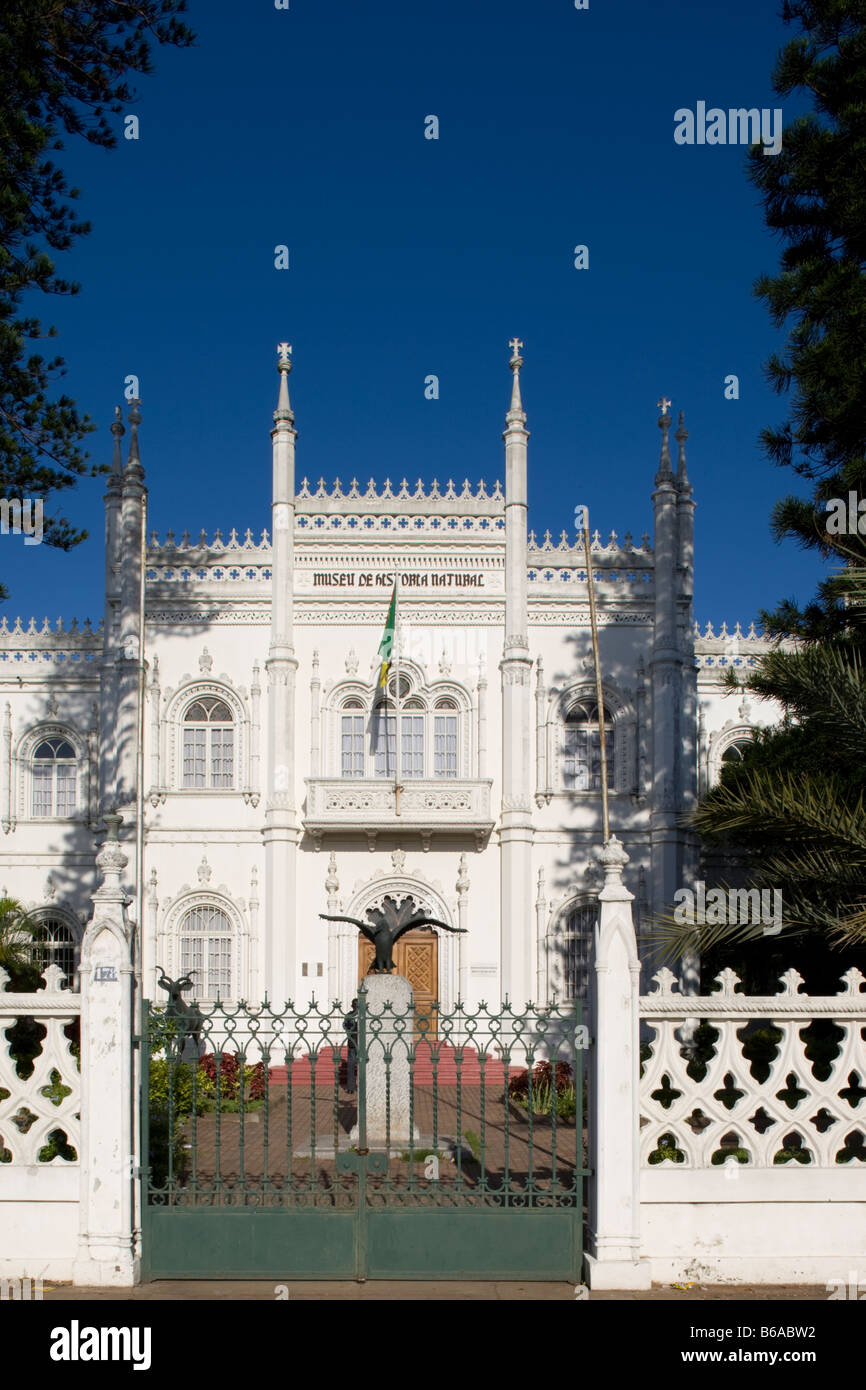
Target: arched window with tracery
352,726
726,749
734,751
581,769
445,745
208,745
570,951
206,951
54,768
434,730
53,943
413,719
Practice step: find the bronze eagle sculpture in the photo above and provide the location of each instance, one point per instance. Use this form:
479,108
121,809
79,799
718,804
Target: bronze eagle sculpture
387,924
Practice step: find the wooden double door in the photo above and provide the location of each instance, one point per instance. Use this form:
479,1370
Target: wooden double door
416,957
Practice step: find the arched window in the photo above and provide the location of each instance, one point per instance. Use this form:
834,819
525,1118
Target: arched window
55,771
206,952
582,748
54,944
734,751
573,945
726,749
430,732
208,745
352,739
445,738
383,738
412,732
412,721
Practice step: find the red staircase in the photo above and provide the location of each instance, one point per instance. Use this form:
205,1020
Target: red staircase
441,1059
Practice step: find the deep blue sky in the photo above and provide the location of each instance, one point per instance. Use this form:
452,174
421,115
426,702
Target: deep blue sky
410,257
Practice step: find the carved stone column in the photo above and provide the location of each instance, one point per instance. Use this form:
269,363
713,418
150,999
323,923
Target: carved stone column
154,693
281,831
515,829
6,771
315,719
152,947
255,790
541,986
332,888
463,922
482,718
541,793
106,1251
255,985
613,1261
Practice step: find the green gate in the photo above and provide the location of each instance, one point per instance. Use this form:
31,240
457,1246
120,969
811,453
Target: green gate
375,1145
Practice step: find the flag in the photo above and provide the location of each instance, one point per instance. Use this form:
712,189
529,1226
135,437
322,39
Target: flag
387,643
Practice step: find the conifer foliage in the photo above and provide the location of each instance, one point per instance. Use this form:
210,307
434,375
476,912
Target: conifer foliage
797,800
794,807
814,195
65,70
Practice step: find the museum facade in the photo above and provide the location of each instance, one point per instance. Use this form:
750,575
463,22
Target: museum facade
265,776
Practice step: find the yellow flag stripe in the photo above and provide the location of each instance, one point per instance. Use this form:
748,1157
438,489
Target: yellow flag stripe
387,643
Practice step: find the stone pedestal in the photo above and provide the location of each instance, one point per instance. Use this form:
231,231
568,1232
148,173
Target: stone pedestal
613,1260
388,1030
106,1246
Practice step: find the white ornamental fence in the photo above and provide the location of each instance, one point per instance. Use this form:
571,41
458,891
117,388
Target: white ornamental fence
40,1133
67,1136
753,1168
715,1170
705,1167
728,1115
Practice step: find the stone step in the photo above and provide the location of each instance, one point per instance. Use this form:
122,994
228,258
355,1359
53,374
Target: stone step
440,1058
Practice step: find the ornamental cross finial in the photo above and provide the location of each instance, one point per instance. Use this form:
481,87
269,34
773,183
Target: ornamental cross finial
515,344
285,352
663,405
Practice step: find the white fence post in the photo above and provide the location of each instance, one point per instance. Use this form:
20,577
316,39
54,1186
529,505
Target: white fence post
106,1249
613,1261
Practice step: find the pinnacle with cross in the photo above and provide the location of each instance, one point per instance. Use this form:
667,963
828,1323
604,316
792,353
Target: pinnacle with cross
663,405
515,344
284,351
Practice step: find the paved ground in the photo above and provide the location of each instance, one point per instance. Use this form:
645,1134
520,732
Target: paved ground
329,1112
195,1290
459,1123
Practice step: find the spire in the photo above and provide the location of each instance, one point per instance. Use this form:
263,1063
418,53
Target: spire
118,431
664,422
284,406
682,434
516,413
133,463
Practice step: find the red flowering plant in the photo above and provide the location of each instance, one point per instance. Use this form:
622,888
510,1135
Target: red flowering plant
228,1074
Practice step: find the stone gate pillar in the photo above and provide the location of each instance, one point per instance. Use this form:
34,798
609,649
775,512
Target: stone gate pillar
613,1261
106,1246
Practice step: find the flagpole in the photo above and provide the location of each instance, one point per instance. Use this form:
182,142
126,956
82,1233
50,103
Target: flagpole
397,748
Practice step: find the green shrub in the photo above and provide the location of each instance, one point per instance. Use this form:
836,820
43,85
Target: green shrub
177,1089
545,1081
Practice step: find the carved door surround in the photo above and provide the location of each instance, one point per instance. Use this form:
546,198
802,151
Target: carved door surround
416,957
398,883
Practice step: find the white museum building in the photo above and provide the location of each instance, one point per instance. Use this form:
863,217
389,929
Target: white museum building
254,757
